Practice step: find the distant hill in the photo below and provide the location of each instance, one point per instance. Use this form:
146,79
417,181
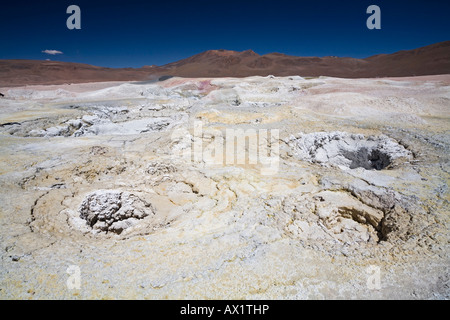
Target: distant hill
29,72
430,60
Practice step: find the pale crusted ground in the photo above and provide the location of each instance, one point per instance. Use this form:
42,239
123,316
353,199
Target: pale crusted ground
315,228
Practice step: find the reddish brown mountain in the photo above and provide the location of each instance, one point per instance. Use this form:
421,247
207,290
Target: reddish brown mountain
429,60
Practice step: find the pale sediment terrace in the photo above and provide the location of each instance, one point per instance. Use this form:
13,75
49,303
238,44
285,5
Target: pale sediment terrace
93,178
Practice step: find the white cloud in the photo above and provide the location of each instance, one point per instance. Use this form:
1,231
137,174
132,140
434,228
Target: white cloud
52,52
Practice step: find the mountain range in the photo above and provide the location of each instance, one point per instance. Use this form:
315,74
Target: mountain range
430,60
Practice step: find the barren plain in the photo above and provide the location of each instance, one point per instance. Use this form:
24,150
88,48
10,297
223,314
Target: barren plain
95,178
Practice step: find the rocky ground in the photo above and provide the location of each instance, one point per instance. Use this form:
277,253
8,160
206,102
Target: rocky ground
111,184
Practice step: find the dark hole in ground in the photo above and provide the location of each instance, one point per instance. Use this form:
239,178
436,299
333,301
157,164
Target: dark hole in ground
369,159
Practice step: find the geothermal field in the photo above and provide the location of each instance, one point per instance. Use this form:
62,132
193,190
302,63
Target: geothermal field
226,188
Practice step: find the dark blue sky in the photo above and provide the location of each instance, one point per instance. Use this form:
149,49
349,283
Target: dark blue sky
132,33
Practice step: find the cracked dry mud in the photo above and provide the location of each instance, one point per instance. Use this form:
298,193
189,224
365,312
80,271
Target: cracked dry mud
91,176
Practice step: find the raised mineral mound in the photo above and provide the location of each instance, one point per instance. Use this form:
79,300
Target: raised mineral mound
113,211
346,150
